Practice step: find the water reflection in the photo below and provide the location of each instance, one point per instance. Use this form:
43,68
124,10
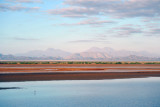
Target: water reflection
142,92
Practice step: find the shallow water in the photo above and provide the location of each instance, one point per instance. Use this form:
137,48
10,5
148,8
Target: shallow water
137,92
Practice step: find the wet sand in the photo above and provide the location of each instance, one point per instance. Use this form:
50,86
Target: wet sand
38,72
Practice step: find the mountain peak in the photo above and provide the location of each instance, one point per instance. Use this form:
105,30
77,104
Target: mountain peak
50,49
108,48
94,49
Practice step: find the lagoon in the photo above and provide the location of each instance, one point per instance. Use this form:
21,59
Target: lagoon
133,92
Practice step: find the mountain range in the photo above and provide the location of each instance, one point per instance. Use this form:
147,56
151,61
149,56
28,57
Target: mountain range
121,53
93,53
50,52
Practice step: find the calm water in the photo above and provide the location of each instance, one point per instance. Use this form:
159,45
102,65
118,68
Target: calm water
138,92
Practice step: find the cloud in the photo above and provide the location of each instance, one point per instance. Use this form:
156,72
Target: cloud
153,32
125,30
96,39
7,7
151,29
82,41
151,19
73,12
25,1
89,41
102,37
91,21
25,39
115,8
129,30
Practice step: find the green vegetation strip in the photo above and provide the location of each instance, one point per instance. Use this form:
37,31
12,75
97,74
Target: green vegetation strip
73,62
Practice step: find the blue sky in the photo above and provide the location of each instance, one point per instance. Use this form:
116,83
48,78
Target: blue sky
76,25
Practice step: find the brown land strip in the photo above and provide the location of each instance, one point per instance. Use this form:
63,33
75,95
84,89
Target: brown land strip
29,73
74,76
29,70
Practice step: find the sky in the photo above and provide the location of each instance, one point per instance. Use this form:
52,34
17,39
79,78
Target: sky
77,25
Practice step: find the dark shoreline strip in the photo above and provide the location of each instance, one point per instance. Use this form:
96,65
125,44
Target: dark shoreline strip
74,76
6,88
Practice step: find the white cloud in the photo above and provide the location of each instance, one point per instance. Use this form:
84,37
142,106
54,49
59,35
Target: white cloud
7,7
91,21
25,1
115,8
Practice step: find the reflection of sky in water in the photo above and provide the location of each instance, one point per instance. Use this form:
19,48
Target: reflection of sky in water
137,92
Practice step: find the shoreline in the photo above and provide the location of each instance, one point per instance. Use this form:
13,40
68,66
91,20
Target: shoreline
17,73
73,76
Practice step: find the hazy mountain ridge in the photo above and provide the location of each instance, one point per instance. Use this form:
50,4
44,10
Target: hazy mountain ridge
121,53
127,58
107,53
88,55
50,52
94,53
135,58
12,57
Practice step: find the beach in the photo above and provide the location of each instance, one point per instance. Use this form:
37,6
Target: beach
41,72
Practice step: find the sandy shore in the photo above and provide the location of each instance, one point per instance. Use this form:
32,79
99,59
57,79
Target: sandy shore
38,72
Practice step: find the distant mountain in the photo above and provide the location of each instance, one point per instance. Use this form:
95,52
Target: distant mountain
88,56
83,56
135,58
120,53
94,53
106,50
12,57
107,53
51,52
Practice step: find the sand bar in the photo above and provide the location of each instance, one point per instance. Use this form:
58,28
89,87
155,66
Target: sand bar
9,73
